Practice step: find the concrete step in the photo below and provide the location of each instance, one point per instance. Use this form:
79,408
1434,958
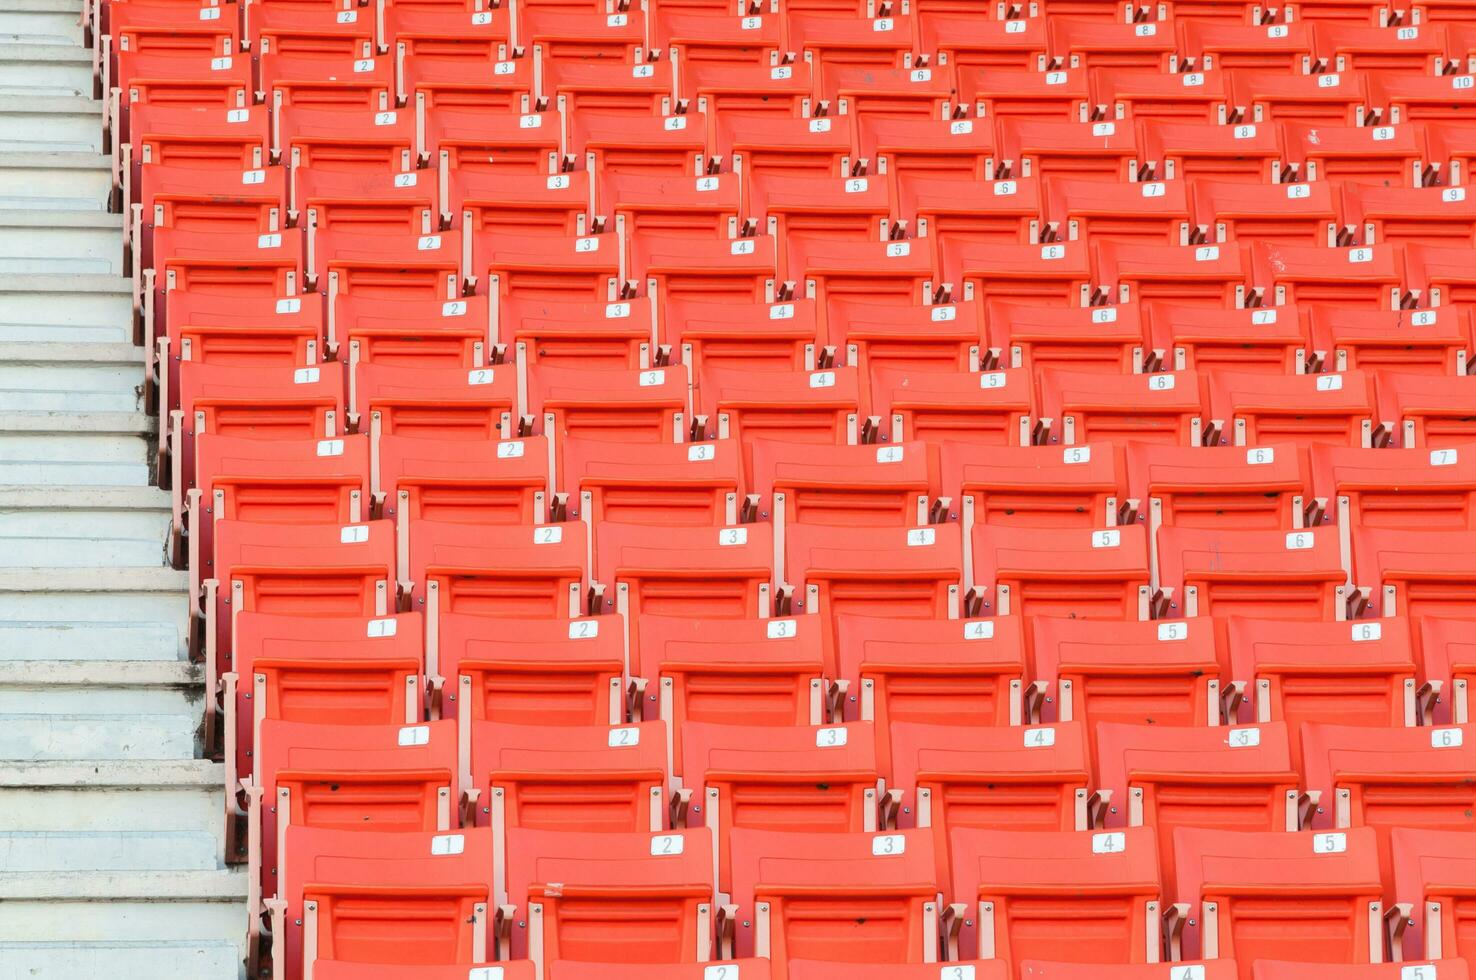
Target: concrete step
161,796
119,960
80,527
45,640
180,850
146,909
70,377
60,242
55,181
66,308
45,69
36,123
75,448
34,737
41,21
100,688
95,602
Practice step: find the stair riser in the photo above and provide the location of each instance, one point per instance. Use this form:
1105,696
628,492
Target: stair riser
80,131
77,387
101,699
52,459
59,249
125,919
76,188
45,77
42,640
150,851
35,25
40,737
120,962
153,610
82,538
112,809
28,314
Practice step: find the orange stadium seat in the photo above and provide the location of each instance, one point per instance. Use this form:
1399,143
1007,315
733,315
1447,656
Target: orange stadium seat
657,484
1432,882
497,570
1033,486
1227,487
1091,573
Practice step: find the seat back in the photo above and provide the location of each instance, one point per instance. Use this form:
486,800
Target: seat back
1080,573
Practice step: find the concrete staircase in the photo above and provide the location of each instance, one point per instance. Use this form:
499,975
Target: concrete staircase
110,823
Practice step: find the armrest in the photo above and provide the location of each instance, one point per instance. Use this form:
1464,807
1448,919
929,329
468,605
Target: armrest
835,700
502,930
887,808
1397,918
680,808
951,923
635,699
469,799
727,931
1175,917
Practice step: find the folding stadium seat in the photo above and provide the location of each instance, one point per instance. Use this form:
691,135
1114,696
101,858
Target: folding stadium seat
1432,873
229,263
1227,779
1180,970
1076,572
513,970
416,332
1416,572
624,898
1053,274
145,68
1398,488
609,405
1311,898
428,896
638,84
1446,658
319,71
579,334
756,672
701,572
1259,409
525,671
850,34
190,198
335,206
586,779
969,35
575,31
398,267
1031,147
852,486
959,148
658,485
1026,92
1098,42
1358,673
250,402
1033,486
1410,341
1028,907
1412,778
1387,155
1429,970
819,780
1434,215
782,142
1411,50
1366,276
663,214
986,778
943,337
455,53
370,778
910,573
346,139
1078,408
306,22
864,898
992,408
1156,212
976,969
834,206
1206,275
1219,571
1175,150
900,272
1152,93
232,141
1439,273
1293,214
1105,338
616,144
496,570
1228,488
815,407
589,268
1450,151
714,32
1265,49
1326,98
525,141
1133,673
1426,410
472,404
1271,340
288,481
909,90
721,267
738,335
950,207
244,330
460,481
930,672
1422,98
